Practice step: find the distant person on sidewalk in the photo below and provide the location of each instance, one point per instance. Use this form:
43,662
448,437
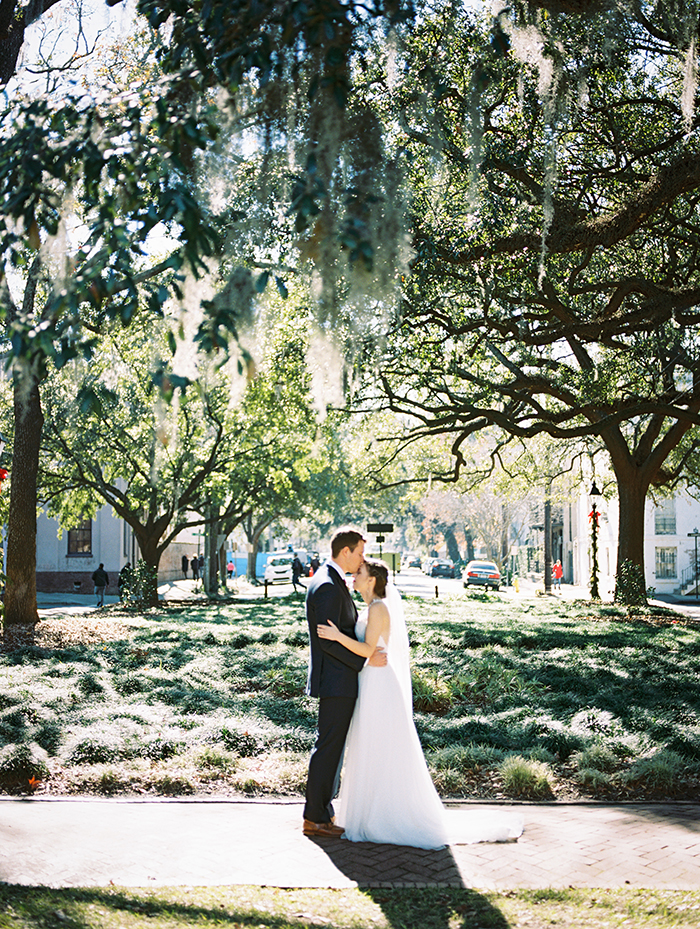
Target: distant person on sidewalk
100,579
297,571
185,565
557,573
195,568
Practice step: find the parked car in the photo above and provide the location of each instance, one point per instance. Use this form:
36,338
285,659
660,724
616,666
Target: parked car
278,569
411,561
442,567
481,574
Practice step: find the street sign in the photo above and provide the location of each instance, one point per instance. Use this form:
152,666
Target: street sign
380,527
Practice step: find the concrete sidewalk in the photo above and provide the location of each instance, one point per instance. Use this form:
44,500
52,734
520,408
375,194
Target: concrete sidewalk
67,843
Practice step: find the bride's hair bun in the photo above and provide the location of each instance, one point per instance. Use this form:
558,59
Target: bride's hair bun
379,571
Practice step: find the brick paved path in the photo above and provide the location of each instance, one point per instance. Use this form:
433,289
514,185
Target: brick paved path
140,843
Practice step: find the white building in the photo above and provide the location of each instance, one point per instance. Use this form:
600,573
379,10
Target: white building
67,563
670,562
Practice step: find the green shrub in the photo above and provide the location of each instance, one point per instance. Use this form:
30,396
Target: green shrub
13,725
160,749
20,763
108,782
430,694
89,685
449,781
173,785
527,779
297,740
92,751
244,743
686,744
132,684
286,682
470,757
214,759
593,779
661,772
48,736
598,757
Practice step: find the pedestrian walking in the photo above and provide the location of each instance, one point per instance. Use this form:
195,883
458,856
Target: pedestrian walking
195,568
185,565
100,579
557,573
297,571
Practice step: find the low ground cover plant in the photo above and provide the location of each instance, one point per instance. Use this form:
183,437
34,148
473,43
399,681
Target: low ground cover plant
513,698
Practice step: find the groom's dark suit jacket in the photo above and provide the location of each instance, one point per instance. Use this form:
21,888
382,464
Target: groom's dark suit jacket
332,668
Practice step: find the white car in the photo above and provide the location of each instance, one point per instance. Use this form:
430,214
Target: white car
278,569
481,574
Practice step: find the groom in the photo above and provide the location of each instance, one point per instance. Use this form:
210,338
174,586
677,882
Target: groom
333,674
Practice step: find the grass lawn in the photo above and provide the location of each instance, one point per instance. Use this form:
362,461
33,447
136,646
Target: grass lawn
269,908
533,699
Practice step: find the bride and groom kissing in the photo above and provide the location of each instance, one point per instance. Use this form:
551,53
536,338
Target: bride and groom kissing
360,670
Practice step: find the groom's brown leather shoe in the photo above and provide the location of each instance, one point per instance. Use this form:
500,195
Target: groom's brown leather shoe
327,830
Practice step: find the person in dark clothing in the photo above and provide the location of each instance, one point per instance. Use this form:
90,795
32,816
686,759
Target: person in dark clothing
185,565
297,571
124,580
100,579
194,564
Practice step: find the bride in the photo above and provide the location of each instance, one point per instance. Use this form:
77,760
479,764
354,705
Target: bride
387,794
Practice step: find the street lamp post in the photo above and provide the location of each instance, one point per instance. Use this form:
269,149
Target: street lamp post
694,534
593,517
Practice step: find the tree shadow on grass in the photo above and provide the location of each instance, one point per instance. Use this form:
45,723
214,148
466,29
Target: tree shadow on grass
425,908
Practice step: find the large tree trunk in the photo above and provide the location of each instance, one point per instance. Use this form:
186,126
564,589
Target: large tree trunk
20,592
146,571
632,490
548,539
211,554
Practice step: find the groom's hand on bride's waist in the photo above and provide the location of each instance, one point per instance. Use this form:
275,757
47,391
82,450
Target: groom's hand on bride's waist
378,658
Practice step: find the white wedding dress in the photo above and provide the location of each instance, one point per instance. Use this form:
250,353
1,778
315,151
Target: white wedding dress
387,794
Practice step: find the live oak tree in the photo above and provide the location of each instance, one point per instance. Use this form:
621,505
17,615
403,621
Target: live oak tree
218,448
555,287
82,187
297,79
123,430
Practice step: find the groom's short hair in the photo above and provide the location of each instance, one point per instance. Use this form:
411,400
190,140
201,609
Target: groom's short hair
345,536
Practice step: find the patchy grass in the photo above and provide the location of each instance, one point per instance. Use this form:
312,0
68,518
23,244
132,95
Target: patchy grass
209,699
239,907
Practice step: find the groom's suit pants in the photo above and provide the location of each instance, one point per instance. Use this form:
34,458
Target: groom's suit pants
334,715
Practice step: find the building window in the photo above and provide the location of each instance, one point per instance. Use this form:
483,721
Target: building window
666,562
80,539
665,518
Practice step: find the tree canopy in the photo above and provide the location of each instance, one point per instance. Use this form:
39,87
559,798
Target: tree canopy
556,228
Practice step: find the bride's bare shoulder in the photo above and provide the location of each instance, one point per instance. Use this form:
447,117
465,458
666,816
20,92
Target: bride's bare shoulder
378,611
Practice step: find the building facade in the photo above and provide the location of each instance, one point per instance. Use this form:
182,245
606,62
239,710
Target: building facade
66,560
671,544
